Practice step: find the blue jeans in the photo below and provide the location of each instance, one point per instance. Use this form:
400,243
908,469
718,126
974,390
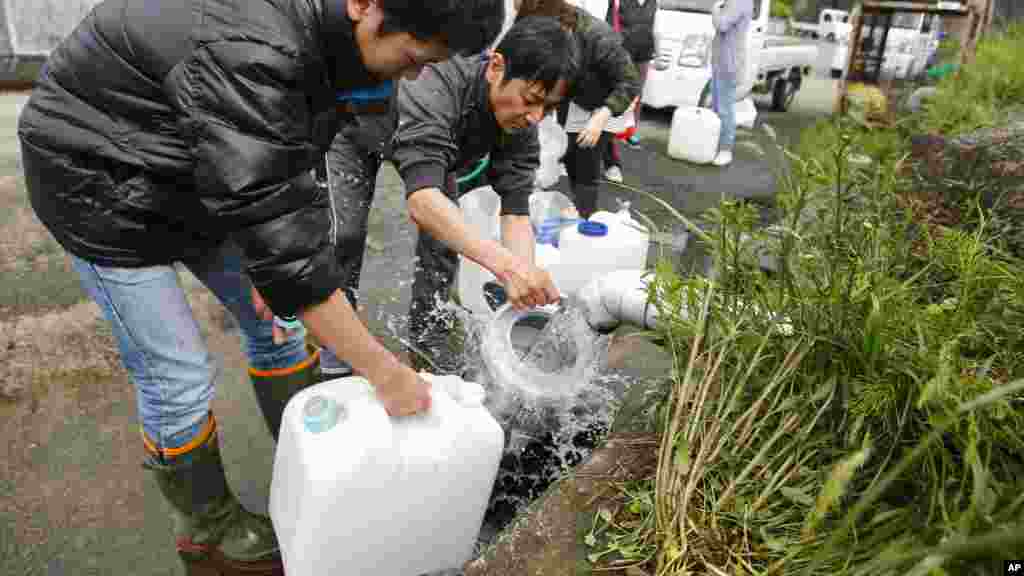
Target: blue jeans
723,102
160,342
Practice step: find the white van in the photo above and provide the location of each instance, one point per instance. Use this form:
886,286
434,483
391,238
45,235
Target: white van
680,74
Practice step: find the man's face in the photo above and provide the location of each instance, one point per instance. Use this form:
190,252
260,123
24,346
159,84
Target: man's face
518,104
392,54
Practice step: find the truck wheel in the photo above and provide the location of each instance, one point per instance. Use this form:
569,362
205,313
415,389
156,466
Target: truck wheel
783,93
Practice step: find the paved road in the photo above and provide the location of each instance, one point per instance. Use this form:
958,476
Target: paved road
73,497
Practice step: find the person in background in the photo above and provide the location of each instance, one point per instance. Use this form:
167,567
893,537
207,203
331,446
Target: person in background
439,125
731,19
191,134
634,21
606,85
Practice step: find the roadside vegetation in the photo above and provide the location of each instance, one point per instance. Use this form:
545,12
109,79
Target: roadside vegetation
848,390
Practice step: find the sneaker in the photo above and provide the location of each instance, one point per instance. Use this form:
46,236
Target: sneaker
724,158
633,141
613,173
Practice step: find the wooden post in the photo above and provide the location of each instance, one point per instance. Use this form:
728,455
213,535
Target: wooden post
853,51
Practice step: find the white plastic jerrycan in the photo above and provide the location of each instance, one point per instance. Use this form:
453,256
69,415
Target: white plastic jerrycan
694,134
480,208
633,237
357,492
604,243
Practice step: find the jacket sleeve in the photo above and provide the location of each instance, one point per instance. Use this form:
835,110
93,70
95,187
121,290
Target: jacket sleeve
423,145
726,16
616,68
254,157
513,169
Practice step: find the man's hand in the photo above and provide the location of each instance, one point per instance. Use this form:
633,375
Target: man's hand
335,325
528,286
404,393
595,126
264,312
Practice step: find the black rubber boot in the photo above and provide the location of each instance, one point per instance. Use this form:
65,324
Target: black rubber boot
215,535
274,388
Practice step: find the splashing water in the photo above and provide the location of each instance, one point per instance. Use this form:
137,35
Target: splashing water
548,429
554,347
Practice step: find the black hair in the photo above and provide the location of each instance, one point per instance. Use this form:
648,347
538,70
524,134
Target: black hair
466,26
538,49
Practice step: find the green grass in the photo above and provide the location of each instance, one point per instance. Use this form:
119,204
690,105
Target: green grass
981,94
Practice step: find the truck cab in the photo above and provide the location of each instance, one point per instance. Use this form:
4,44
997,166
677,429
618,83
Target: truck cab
834,24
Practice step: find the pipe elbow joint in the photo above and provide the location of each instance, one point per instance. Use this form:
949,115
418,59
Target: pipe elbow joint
615,298
598,316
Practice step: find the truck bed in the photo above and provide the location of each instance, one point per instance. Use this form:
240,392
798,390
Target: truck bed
784,52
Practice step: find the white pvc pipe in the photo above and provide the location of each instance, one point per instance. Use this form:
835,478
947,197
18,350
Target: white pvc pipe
617,297
621,297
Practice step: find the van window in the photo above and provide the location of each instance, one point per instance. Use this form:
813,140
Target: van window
906,20
926,26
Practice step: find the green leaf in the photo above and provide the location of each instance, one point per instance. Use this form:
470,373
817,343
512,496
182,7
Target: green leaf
882,517
796,495
593,558
682,455
605,515
590,540
772,543
636,507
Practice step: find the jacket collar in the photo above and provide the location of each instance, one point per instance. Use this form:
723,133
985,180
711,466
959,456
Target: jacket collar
346,67
482,98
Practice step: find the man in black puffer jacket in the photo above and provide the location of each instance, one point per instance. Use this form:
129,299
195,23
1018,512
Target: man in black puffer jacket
189,132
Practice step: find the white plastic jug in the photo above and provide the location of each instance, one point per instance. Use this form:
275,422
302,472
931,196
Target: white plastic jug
357,492
481,208
746,113
694,135
633,237
553,142
606,242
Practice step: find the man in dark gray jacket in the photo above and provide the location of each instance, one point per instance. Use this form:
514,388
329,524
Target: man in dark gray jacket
447,120
188,132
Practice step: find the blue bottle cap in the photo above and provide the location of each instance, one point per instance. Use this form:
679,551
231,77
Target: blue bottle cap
320,414
593,229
